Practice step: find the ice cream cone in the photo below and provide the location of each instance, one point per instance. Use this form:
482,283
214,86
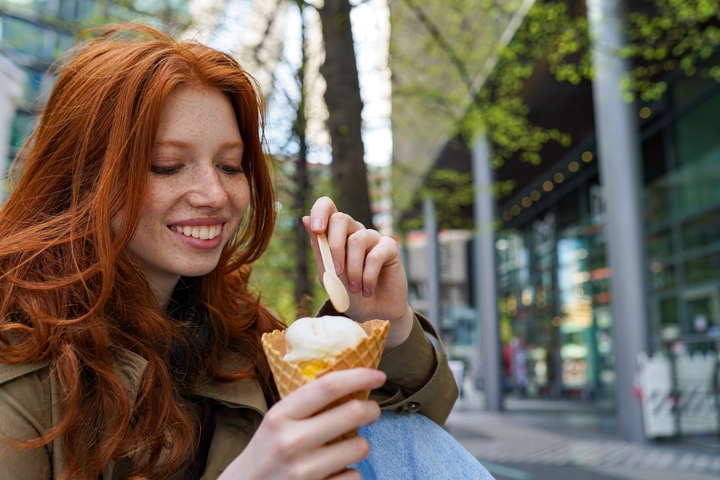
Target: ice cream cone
288,375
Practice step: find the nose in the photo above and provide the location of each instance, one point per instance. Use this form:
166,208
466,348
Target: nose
208,189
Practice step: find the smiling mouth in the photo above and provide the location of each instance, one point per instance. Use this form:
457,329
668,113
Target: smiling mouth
201,232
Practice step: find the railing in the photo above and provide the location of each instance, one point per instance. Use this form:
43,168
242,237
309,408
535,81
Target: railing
679,393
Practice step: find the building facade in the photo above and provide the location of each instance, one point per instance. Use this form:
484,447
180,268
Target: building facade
35,33
554,277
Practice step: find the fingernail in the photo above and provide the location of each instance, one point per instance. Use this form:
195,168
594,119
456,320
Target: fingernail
366,292
317,224
380,376
354,287
337,267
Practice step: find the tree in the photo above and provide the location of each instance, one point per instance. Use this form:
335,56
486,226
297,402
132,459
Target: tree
284,273
342,96
302,185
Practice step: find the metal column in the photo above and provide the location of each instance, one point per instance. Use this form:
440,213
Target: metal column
433,270
620,172
485,274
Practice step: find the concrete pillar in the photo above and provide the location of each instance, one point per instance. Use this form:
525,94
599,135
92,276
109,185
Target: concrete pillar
433,270
485,275
620,172
12,79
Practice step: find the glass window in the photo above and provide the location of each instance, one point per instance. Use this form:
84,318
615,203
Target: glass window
28,38
698,157
660,245
21,128
701,231
669,311
662,277
703,269
688,87
653,158
657,201
33,86
68,9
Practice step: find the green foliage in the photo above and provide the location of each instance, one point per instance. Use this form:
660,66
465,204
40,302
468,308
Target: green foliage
666,35
679,36
273,275
452,192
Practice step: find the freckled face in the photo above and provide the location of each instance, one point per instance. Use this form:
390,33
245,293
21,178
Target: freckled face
197,191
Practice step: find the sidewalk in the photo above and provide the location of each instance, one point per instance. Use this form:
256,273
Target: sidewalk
569,440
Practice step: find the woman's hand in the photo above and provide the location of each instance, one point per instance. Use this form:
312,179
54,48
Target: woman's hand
369,266
291,440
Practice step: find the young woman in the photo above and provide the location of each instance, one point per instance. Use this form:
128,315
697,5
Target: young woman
129,342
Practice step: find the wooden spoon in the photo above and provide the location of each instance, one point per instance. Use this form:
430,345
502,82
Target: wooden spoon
333,285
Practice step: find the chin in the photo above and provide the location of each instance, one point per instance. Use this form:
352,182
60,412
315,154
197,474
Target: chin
197,270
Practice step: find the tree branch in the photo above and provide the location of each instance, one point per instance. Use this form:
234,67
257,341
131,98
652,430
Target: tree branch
442,42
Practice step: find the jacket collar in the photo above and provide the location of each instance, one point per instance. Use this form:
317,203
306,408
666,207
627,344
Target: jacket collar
245,393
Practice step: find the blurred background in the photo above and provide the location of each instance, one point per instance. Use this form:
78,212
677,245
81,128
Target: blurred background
551,170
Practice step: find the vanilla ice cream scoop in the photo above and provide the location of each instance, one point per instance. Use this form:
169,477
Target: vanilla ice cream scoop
316,341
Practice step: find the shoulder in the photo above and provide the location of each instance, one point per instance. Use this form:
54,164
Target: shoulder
24,393
25,414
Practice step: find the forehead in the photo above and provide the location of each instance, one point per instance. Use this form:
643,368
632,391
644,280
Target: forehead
196,114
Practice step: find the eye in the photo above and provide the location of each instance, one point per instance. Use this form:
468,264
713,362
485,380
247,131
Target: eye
231,170
164,170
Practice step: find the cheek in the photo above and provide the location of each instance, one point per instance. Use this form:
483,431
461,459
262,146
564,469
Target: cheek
158,201
239,197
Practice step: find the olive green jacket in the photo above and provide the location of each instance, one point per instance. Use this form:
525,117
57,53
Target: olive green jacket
419,379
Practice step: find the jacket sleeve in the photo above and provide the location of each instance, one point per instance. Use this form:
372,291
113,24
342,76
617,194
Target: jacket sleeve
418,376
22,418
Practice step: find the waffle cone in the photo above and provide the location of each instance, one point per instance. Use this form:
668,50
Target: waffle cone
288,375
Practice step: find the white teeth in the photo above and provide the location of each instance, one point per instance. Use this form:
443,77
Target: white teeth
202,233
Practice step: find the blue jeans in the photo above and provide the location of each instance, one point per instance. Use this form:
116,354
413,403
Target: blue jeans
412,447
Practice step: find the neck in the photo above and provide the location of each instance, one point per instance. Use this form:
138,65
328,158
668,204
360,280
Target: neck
163,290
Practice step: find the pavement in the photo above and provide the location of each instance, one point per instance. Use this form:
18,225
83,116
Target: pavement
572,440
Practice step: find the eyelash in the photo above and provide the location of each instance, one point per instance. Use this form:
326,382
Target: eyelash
232,170
164,170
174,169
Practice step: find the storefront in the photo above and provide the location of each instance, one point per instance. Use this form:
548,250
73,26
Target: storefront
554,282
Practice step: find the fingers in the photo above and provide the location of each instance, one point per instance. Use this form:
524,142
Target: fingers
320,213
340,227
324,463
343,418
359,252
350,474
383,254
313,397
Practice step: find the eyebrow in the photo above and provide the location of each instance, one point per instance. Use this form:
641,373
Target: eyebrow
187,145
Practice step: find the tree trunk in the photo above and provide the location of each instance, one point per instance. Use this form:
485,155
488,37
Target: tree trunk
302,188
342,96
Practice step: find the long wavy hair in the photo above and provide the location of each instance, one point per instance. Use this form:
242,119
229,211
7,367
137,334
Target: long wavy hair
68,293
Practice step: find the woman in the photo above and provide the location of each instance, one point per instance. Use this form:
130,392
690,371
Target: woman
129,341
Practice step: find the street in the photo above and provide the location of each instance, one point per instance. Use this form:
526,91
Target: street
572,440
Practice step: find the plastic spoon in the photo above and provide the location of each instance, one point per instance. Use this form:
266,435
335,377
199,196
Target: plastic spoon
333,285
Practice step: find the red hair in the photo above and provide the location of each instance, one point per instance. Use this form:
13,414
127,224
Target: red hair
68,293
